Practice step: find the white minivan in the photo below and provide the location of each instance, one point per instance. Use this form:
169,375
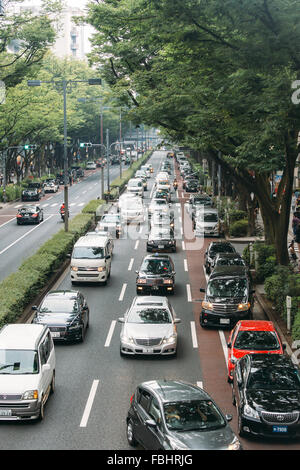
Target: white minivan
27,371
91,260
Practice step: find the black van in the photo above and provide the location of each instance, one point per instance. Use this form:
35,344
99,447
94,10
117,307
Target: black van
228,297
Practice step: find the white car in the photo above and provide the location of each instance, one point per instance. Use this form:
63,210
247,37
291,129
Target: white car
135,186
91,166
158,205
207,222
111,223
162,175
146,170
51,187
132,211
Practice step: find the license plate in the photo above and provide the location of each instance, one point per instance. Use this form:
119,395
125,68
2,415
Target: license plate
154,287
280,429
160,246
224,321
5,413
55,334
149,351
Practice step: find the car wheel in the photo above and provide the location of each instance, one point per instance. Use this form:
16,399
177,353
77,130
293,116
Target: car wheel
240,429
52,386
130,434
233,398
82,334
42,410
207,269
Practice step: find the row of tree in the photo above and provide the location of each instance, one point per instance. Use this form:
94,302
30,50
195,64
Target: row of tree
216,76
35,114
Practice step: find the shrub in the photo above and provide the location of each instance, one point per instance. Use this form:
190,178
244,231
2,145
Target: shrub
239,228
92,206
235,215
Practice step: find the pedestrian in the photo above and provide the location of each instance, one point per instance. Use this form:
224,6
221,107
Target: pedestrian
295,222
294,200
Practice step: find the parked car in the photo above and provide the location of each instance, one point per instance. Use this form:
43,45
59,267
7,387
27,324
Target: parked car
266,393
229,259
213,249
50,186
191,186
252,336
30,215
149,327
91,166
175,415
66,313
156,274
27,371
161,239
228,297
208,223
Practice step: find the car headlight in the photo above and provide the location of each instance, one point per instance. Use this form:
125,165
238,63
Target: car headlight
127,339
207,305
30,395
250,412
170,339
74,268
101,269
234,445
244,306
168,281
151,242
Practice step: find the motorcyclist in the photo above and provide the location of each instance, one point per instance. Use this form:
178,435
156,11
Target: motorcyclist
175,183
62,208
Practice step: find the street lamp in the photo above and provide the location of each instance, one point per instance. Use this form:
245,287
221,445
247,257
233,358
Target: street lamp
64,84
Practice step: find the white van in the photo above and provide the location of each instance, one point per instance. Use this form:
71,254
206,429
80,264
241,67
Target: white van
91,260
27,371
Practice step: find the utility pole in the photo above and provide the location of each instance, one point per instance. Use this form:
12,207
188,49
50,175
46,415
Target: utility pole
107,158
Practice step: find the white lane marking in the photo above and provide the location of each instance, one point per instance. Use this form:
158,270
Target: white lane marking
5,223
185,265
130,264
136,244
81,204
73,204
183,245
141,229
224,345
110,333
45,205
83,192
55,204
122,292
89,404
188,293
18,205
25,235
194,335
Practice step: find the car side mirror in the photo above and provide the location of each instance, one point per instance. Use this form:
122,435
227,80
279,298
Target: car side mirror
228,417
107,257
151,423
284,346
34,307
45,367
229,345
121,320
201,289
177,320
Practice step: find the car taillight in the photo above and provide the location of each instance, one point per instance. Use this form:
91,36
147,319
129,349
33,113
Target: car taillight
19,215
131,398
34,215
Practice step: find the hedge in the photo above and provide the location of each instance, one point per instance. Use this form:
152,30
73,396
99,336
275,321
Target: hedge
239,228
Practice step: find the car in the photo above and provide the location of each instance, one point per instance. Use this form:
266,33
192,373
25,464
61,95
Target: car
163,194
132,210
91,166
156,274
229,259
163,219
228,297
252,336
176,415
142,175
29,215
160,205
101,234
146,170
30,194
191,186
149,327
213,249
50,187
207,223
162,175
66,313
266,394
161,239
111,223
135,186
27,371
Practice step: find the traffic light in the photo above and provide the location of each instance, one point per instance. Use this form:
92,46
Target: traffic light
29,147
85,144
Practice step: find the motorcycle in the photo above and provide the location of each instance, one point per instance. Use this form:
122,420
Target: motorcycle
175,185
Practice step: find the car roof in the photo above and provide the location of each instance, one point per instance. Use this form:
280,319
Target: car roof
265,361
229,271
220,243
175,390
21,335
157,256
91,241
229,255
256,325
150,300
66,294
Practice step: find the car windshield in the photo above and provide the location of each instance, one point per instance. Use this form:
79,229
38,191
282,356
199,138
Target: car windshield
257,340
18,361
160,233
149,315
221,248
268,378
198,415
228,288
88,252
60,305
134,183
230,262
160,202
201,200
207,217
27,209
156,266
111,218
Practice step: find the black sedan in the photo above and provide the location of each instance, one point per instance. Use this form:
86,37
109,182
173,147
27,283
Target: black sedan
266,393
66,313
31,194
174,415
156,274
161,239
30,215
212,251
191,186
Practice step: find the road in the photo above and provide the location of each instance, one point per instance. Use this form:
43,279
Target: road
94,383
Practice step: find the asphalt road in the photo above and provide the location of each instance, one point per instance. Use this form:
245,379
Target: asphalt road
94,383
